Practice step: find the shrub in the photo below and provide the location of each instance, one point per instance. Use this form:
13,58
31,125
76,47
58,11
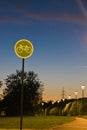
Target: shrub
54,111
66,110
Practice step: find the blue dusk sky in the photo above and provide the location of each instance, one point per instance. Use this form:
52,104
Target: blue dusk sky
58,32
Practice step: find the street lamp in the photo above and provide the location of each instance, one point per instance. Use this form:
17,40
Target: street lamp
58,101
82,87
69,97
76,93
44,108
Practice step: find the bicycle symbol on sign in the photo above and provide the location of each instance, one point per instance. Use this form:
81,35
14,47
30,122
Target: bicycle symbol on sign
22,48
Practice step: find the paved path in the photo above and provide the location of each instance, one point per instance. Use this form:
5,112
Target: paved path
78,124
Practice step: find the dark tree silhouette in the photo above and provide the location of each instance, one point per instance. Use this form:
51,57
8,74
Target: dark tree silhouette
33,89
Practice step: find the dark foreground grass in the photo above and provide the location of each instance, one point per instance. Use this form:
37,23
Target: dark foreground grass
39,122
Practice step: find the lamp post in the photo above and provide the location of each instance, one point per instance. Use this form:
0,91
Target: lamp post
76,94
43,107
69,97
82,87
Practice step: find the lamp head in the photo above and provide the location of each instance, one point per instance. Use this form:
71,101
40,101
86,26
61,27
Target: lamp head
76,93
82,87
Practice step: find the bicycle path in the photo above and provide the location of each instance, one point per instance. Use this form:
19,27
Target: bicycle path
78,124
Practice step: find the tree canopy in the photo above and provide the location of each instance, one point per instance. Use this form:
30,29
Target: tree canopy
32,95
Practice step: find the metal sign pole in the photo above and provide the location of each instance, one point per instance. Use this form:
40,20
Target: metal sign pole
23,49
22,87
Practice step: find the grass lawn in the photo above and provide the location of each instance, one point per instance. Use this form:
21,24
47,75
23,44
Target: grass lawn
38,122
